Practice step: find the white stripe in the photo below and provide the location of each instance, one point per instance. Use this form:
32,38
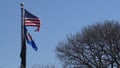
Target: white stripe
31,24
32,21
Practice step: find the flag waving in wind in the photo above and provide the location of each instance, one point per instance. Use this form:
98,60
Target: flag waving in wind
29,40
31,20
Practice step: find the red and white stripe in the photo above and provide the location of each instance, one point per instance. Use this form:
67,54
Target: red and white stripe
34,22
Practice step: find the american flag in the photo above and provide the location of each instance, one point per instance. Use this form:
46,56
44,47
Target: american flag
31,20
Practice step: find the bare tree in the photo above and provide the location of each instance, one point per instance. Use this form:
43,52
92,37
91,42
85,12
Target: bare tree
97,46
44,66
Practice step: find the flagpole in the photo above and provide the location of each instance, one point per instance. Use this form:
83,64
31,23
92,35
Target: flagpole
23,42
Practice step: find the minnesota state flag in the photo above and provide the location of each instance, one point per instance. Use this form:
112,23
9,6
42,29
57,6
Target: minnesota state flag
29,40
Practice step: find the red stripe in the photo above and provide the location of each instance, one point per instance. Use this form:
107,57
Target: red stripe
32,23
32,19
29,22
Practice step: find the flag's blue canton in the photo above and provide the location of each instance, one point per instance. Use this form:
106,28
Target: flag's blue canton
29,40
29,15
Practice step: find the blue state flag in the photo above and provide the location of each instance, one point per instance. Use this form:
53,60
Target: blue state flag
29,40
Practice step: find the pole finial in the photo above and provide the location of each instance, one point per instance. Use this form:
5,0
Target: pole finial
22,4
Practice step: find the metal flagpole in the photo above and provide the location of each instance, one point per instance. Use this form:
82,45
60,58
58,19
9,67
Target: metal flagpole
23,41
